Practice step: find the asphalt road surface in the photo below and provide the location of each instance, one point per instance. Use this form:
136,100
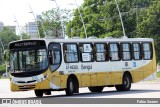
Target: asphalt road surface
147,89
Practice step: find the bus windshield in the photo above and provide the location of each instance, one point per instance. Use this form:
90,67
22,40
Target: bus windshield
28,60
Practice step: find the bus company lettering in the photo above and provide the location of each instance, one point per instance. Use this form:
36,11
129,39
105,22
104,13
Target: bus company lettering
88,67
75,67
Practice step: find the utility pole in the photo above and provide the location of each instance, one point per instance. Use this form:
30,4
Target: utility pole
124,34
82,20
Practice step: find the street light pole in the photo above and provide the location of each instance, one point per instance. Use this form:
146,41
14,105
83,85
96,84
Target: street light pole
35,20
63,32
124,34
18,27
82,20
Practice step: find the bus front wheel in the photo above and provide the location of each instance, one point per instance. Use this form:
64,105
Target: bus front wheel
126,84
70,87
96,89
39,93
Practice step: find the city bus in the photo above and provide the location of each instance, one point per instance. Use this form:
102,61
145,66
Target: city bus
46,65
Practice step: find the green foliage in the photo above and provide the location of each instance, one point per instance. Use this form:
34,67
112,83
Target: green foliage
25,36
2,69
102,19
52,21
7,36
149,25
158,74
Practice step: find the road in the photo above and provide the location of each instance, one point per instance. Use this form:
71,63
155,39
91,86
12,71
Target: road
138,90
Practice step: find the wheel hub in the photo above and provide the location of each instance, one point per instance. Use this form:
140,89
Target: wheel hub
71,86
126,82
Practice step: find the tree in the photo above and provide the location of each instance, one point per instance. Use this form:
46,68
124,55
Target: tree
25,36
141,18
101,18
149,25
52,21
2,69
6,37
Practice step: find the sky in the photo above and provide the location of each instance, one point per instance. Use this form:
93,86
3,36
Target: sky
12,10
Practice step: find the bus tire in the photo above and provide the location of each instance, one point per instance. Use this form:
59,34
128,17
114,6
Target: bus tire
47,92
38,93
96,89
126,83
70,87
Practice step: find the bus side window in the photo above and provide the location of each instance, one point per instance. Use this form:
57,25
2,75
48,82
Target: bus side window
86,52
101,52
114,51
70,53
136,51
147,51
54,57
126,51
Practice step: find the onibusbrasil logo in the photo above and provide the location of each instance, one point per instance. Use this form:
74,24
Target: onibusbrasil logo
21,101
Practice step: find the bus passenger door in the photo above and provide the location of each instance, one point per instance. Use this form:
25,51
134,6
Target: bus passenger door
55,62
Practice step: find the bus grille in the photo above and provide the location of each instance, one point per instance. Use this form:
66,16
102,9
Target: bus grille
26,82
26,87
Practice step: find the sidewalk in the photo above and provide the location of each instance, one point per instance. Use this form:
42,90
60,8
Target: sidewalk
151,81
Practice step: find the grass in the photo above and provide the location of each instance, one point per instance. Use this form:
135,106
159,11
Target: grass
1,77
158,74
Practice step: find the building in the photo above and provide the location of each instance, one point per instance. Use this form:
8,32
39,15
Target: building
1,26
13,28
32,29
23,29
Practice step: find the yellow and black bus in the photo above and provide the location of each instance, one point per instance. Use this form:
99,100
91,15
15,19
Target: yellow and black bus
46,65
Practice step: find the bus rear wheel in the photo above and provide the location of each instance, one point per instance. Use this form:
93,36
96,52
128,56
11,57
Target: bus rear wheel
70,87
126,83
96,89
39,93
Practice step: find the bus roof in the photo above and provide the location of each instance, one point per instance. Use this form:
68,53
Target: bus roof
98,40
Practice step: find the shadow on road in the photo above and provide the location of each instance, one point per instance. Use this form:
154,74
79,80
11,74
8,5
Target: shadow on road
104,93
